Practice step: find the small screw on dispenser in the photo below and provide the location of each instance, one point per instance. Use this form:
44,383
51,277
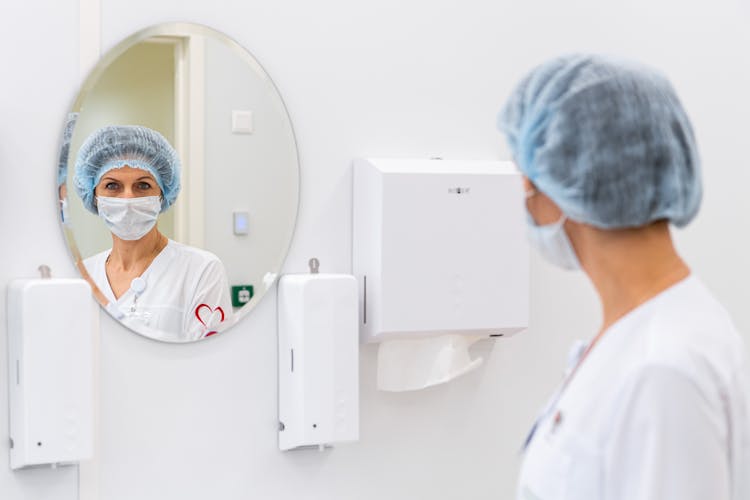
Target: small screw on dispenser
45,271
314,265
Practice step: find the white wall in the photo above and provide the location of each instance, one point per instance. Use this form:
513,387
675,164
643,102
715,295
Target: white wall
256,173
418,78
39,54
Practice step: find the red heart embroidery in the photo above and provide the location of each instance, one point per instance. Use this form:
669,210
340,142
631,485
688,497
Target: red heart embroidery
206,313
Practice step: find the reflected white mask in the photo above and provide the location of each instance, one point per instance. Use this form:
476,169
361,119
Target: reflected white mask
129,218
552,242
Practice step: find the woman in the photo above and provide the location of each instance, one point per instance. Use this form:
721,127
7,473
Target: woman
128,175
656,406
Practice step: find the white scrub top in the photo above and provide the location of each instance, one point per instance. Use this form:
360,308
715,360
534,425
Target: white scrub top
658,410
186,295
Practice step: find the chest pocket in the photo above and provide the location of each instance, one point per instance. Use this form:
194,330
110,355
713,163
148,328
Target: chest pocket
586,470
561,467
544,470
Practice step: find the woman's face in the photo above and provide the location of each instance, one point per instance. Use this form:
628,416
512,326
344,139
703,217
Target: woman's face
127,182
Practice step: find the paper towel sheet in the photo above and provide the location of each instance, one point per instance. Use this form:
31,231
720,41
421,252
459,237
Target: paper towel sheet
413,364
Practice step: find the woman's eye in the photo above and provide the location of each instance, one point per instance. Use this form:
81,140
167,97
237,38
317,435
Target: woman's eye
144,186
111,186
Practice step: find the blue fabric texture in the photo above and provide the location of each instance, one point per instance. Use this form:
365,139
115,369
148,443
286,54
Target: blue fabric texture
127,145
607,140
62,164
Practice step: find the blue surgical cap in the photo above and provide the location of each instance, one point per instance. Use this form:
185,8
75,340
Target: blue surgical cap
607,140
127,145
62,163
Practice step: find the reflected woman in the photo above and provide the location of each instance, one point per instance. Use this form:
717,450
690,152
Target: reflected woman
128,175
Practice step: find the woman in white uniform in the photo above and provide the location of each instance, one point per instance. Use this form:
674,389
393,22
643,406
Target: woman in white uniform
655,406
128,175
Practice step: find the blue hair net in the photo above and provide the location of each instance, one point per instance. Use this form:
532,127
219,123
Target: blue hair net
127,145
62,163
608,141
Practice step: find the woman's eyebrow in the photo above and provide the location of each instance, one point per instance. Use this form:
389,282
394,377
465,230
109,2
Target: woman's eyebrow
107,177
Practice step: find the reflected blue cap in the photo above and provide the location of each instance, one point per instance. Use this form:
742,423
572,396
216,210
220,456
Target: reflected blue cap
127,145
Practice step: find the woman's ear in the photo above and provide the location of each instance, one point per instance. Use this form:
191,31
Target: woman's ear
527,184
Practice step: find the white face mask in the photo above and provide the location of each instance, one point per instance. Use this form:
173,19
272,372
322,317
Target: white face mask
552,242
129,218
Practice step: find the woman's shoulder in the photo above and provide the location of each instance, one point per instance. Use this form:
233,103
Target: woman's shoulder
690,313
190,255
690,331
96,261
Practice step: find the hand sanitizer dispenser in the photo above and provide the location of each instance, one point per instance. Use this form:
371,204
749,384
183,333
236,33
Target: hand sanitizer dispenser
441,259
50,371
318,359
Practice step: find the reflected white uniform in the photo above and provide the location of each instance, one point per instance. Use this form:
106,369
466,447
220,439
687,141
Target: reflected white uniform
658,410
186,295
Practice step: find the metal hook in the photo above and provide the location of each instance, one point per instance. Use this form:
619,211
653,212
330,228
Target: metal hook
314,265
45,271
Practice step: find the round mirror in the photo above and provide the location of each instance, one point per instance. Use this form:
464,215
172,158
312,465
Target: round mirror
178,182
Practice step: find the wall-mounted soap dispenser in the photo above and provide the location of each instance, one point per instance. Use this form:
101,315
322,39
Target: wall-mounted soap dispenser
318,359
51,324
440,253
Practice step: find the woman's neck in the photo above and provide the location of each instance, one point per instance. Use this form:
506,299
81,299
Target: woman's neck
128,255
628,267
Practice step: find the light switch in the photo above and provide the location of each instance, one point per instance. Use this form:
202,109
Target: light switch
242,121
241,222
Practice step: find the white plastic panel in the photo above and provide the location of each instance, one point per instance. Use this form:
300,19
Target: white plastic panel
50,358
439,247
318,360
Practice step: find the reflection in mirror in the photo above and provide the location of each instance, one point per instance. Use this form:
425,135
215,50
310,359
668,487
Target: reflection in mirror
178,182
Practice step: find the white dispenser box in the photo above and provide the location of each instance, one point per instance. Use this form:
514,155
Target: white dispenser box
318,360
439,247
51,325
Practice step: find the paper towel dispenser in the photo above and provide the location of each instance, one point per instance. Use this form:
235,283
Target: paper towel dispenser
439,247
51,324
318,360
